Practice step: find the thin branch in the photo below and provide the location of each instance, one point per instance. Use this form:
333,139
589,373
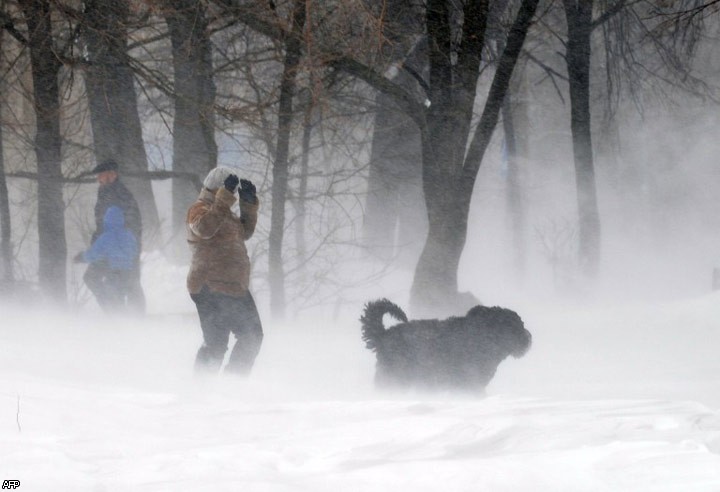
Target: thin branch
83,179
405,100
544,66
609,13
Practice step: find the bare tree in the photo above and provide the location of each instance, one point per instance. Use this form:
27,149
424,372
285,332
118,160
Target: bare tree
626,31
451,151
449,172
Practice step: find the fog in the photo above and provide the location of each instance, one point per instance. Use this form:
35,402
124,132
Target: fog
620,390
657,194
610,397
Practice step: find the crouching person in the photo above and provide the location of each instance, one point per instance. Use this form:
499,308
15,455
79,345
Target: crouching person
112,258
219,276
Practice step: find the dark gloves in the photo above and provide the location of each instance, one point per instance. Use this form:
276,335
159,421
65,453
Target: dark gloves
231,183
247,191
79,258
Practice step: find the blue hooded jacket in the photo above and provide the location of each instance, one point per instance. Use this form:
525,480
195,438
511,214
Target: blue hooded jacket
116,245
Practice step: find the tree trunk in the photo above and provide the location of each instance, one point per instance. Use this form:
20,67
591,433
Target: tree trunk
112,99
280,168
194,147
579,21
435,283
51,208
444,138
6,249
449,175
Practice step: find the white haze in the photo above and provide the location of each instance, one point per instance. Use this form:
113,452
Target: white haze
619,392
610,398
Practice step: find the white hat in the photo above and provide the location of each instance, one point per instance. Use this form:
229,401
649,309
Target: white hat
216,177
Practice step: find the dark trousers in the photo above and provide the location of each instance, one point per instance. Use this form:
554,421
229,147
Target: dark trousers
110,287
220,315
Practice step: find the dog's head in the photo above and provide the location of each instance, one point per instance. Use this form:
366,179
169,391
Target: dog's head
507,328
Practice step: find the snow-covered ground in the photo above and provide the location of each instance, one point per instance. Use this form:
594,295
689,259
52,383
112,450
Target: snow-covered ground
610,398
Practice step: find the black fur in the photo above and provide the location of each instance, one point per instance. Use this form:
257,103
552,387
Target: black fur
455,353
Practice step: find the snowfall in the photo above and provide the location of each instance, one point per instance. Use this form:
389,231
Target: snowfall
613,396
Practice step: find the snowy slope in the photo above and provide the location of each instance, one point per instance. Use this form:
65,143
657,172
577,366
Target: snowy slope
616,398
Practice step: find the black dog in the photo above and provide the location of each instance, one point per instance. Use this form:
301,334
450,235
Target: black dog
455,353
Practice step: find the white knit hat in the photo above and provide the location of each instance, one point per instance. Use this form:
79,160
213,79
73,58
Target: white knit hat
216,177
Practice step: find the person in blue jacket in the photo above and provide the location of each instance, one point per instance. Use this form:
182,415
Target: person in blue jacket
112,258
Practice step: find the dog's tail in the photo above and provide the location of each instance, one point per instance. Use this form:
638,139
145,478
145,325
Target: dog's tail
372,320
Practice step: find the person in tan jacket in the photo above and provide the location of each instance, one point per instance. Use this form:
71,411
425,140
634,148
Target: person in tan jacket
219,276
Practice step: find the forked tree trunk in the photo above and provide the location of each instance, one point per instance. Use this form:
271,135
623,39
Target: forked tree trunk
452,87
51,208
448,173
112,99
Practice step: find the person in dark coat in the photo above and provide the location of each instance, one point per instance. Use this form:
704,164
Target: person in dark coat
112,258
219,275
112,192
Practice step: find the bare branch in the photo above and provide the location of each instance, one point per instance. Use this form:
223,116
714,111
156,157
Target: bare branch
612,11
83,179
404,99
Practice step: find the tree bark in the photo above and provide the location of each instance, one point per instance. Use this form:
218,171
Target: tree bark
293,50
117,132
194,147
52,272
579,22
